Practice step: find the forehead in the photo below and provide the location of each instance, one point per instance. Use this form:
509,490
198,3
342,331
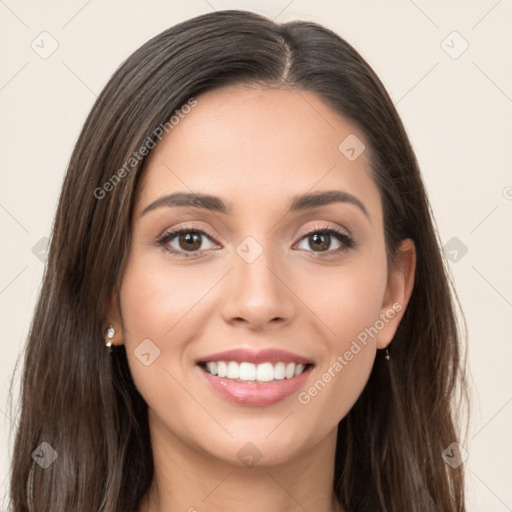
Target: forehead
258,147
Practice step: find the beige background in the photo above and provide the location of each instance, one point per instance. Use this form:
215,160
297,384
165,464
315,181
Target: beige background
458,113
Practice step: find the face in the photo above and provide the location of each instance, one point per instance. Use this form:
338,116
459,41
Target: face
296,288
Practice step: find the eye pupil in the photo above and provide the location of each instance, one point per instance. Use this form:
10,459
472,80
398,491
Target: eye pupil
322,245
190,237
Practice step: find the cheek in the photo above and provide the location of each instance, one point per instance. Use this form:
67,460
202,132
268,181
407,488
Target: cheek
155,305
155,297
347,300
348,303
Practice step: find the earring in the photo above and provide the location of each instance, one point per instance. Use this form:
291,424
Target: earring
386,357
110,335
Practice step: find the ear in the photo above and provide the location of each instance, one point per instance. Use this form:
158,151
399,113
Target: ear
398,291
113,318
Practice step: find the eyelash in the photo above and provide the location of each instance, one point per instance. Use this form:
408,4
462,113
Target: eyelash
347,241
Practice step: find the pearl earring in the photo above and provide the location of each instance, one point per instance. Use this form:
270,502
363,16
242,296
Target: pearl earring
110,335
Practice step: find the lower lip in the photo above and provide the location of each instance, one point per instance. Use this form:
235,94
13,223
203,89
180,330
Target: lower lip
254,394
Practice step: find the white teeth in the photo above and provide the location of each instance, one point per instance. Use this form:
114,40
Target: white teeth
298,369
279,371
264,372
233,370
247,371
211,367
222,369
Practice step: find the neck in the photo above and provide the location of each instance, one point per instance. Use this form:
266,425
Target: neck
190,480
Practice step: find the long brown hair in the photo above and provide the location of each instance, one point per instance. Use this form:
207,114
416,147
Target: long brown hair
85,405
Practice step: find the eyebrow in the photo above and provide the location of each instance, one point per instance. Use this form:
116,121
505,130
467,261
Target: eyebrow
216,204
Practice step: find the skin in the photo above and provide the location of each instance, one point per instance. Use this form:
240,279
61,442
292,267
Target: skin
255,148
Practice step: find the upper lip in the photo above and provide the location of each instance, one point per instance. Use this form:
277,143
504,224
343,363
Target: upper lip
270,355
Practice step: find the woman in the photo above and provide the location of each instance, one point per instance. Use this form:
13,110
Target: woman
245,303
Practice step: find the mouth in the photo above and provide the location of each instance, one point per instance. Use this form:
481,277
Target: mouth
249,378
261,373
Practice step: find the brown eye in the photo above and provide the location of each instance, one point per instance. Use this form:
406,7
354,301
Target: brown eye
190,241
320,240
184,241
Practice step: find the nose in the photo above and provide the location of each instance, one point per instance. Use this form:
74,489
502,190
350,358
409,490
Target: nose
259,294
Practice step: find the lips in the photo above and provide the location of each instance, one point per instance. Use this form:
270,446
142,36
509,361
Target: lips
251,378
269,355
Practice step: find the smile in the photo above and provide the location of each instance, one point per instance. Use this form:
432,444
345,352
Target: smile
250,372
255,379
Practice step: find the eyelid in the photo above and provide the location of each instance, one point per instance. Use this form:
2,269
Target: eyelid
324,227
